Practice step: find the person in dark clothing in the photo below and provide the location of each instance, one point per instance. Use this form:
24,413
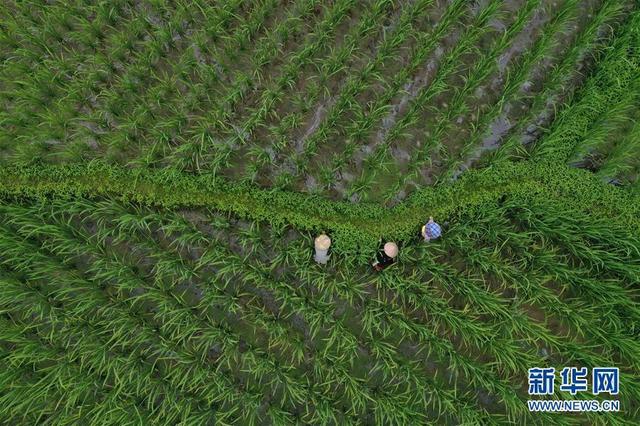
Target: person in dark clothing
386,256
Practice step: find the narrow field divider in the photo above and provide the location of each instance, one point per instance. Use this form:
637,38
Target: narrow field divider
356,228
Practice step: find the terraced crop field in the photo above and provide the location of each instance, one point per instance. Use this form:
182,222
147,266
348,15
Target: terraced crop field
166,165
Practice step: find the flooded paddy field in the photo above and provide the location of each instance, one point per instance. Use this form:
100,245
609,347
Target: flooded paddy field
360,101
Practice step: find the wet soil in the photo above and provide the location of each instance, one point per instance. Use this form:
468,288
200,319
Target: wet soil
532,131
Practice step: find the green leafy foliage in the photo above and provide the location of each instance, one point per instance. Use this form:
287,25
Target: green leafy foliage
357,228
165,167
137,305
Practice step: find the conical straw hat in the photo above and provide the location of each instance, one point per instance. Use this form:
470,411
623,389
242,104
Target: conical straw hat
391,249
323,242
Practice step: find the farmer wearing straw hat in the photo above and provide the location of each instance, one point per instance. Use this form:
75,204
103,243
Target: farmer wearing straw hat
322,244
386,256
431,230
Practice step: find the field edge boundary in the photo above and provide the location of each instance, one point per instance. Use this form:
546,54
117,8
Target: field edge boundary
355,227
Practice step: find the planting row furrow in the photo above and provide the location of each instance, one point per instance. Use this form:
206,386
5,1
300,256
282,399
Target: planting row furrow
393,308
80,344
60,123
155,108
62,338
530,285
163,107
551,260
333,67
356,130
330,365
129,327
516,322
590,250
35,33
373,309
127,112
245,32
229,264
168,271
512,87
222,135
40,384
604,129
357,82
556,82
617,74
458,103
31,84
621,160
376,161
387,360
176,319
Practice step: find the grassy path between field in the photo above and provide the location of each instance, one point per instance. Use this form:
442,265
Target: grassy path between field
355,228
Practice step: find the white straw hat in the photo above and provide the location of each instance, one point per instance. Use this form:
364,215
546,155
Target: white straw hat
391,249
323,242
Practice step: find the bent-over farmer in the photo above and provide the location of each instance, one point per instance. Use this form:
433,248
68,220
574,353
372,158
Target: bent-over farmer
431,230
322,244
386,256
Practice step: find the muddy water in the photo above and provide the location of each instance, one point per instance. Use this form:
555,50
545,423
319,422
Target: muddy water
336,143
502,125
262,134
535,84
330,91
391,68
401,103
418,135
489,91
543,119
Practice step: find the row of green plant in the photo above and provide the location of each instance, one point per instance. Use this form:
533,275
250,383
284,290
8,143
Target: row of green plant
353,124
516,77
118,72
458,103
57,228
587,45
152,98
225,263
607,12
20,217
173,342
56,69
355,227
171,122
615,78
389,50
317,41
335,67
200,137
302,268
152,104
621,159
512,87
374,163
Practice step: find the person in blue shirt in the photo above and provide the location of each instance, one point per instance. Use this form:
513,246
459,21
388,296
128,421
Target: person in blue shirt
431,230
